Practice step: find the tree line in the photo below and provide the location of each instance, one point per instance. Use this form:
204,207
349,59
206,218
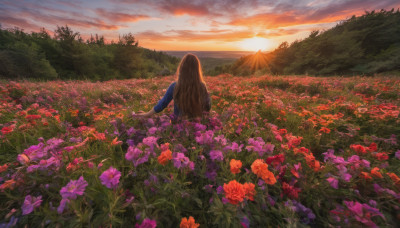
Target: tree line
67,56
363,45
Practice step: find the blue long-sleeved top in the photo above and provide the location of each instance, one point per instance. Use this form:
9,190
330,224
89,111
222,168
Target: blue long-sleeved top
169,95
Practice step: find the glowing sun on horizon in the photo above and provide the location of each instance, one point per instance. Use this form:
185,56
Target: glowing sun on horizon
255,44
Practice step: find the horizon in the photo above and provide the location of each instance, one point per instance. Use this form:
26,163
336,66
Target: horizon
176,25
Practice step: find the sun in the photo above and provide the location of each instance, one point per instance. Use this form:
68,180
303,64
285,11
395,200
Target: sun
255,44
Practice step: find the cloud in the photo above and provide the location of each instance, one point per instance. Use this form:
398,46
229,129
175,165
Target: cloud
17,22
121,17
196,36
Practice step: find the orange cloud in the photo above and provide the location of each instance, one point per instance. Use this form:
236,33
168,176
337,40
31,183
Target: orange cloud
193,36
121,17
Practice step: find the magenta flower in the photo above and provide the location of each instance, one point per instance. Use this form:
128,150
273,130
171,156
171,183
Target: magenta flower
205,138
216,155
136,156
30,203
333,182
151,142
147,223
181,161
258,145
397,155
235,147
74,188
63,204
110,177
221,139
358,210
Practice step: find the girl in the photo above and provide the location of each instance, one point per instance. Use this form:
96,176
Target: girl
189,92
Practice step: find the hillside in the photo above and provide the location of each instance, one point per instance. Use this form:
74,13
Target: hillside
365,45
68,56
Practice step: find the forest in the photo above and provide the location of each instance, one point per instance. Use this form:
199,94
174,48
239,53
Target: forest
67,56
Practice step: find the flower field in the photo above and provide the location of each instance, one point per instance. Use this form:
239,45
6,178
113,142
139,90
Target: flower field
274,151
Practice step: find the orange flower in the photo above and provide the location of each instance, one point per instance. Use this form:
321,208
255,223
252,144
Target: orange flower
394,178
8,184
375,173
188,223
235,166
3,168
258,167
116,142
324,130
312,163
366,176
249,190
234,192
269,178
164,157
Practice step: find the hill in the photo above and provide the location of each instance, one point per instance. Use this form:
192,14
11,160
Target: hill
366,45
68,56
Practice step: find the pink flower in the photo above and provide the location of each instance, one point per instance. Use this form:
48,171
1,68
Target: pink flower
333,182
63,203
110,177
147,223
74,188
30,203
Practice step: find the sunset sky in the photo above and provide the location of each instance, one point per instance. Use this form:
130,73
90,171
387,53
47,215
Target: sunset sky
189,25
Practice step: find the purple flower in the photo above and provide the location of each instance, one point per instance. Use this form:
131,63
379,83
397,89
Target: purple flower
205,138
269,148
216,155
220,190
180,148
235,147
329,155
199,127
258,145
397,155
152,131
136,156
151,142
110,177
211,175
130,131
63,204
333,182
74,188
358,212
305,213
181,161
30,203
225,200
221,139
147,223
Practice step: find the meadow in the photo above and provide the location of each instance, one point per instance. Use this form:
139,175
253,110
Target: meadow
274,151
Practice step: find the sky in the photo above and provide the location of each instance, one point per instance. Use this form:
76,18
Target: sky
196,25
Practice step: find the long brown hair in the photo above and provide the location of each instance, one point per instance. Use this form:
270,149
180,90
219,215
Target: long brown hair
190,89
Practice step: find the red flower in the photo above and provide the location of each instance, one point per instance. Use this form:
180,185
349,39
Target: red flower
6,130
33,117
275,160
358,149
